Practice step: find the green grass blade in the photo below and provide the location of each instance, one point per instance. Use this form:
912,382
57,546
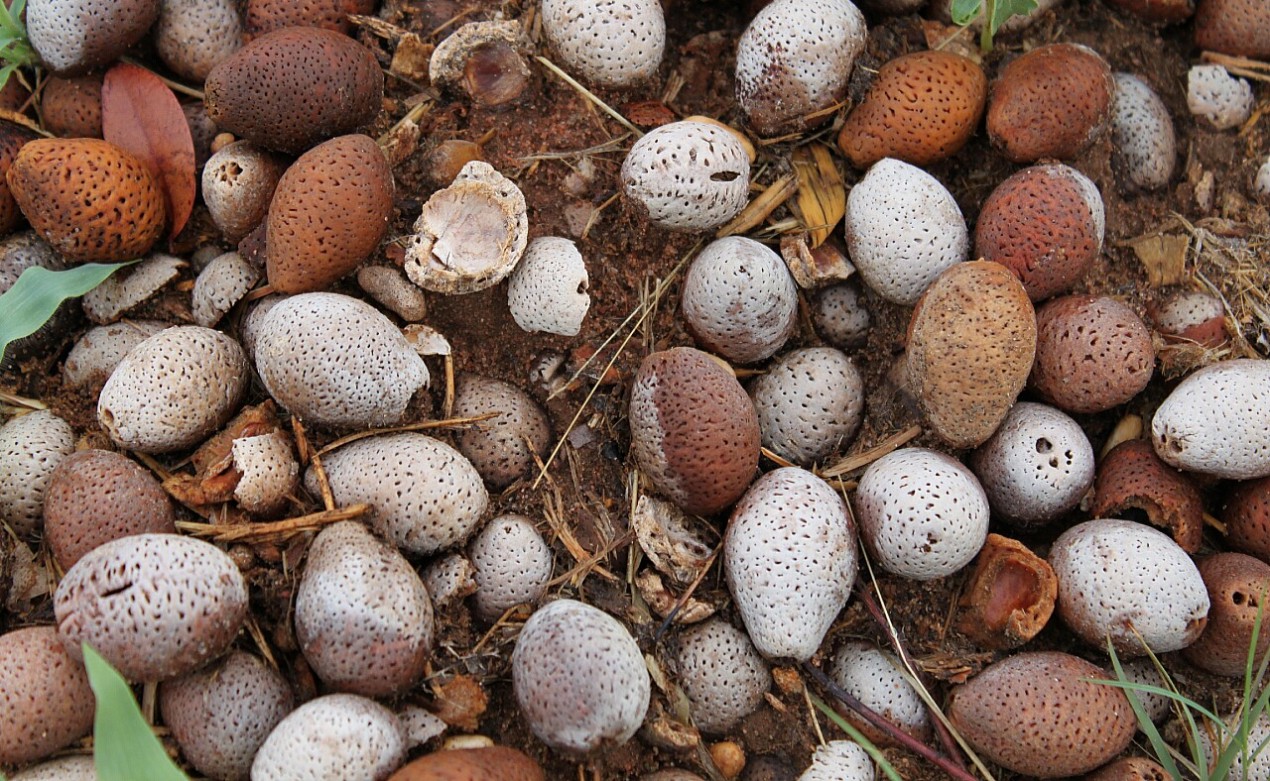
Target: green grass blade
865,743
125,748
1158,744
33,299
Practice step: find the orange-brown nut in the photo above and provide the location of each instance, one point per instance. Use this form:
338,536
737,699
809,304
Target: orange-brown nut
1044,223
1038,714
12,137
491,763
1010,596
1238,591
1238,27
1051,102
71,105
1162,11
1247,518
291,88
923,107
1130,769
1132,477
328,213
970,347
89,199
694,431
1092,353
265,16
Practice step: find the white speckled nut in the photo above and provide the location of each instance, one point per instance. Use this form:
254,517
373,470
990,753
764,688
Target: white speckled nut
579,677
1217,96
221,284
922,513
513,564
359,738
1126,581
687,176
1217,422
547,291
739,300
840,760
1261,185
269,470
903,229
96,354
337,361
612,43
173,390
192,36
1037,465
722,674
794,59
1145,147
31,447
874,677
809,404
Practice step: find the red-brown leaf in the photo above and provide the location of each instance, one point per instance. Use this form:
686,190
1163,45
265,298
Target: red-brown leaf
140,114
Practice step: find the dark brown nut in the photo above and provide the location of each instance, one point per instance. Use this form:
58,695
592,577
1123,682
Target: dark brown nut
1010,596
45,700
1247,518
1236,27
220,715
694,432
1038,714
291,88
1132,477
1092,353
328,213
263,16
1051,102
502,448
96,496
971,342
1239,590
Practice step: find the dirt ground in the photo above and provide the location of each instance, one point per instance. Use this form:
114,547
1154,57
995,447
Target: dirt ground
547,142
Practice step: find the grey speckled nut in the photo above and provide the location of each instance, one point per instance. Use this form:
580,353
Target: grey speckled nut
31,447
722,673
220,715
448,578
72,36
130,287
794,59
96,354
77,768
1128,581
790,559
45,700
687,176
153,605
548,288
425,495
809,404
238,185
1145,147
875,677
739,300
513,564
840,315
470,235
220,285
840,760
393,291
501,448
612,43
579,677
192,36
269,470
337,361
362,615
173,390
359,738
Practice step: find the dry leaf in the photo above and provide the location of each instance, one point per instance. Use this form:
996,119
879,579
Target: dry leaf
1163,256
141,115
822,197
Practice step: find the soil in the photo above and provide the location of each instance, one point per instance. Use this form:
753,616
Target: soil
548,141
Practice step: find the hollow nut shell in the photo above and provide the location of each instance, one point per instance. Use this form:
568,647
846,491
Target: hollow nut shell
1238,590
1010,596
1132,477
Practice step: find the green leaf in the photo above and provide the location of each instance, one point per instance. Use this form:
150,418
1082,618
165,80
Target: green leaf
125,748
33,299
1004,9
963,12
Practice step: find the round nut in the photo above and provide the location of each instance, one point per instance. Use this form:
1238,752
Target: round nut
547,291
45,700
722,674
513,564
809,404
687,176
503,448
31,447
612,43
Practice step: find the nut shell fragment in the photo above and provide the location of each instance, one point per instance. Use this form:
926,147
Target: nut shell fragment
1010,596
1132,477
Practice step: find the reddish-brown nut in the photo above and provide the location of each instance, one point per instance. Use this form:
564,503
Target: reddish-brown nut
1010,596
89,199
95,496
263,16
1130,769
971,342
45,700
922,107
491,763
1247,518
328,213
694,431
1045,224
1239,594
294,87
71,105
1092,353
1038,713
1236,27
1132,477
1051,102
1191,316
12,137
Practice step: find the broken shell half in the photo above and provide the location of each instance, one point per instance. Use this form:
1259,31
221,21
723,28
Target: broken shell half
470,235
1010,597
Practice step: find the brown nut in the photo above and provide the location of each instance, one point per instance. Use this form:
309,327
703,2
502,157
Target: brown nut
1132,477
1239,591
